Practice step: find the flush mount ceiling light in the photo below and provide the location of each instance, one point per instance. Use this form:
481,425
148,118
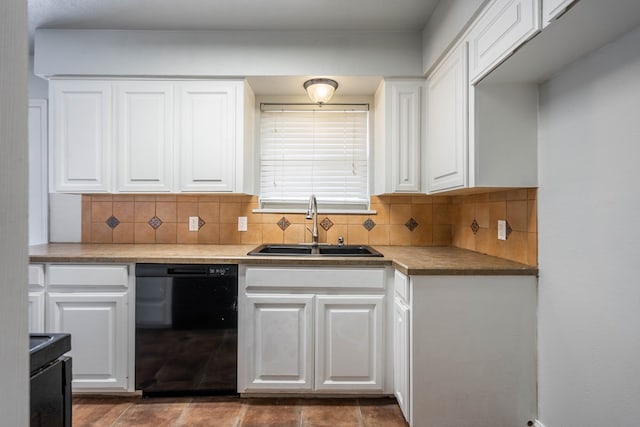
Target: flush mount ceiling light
320,90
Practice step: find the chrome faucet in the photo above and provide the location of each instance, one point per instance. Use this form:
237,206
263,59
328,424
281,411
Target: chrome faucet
312,213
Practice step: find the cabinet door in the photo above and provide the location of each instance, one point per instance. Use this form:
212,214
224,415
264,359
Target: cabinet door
349,343
97,323
80,114
144,112
36,298
499,31
406,136
38,191
401,370
279,342
552,9
207,116
36,311
447,119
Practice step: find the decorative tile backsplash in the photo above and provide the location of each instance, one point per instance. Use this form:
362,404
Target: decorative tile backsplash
468,222
399,220
475,224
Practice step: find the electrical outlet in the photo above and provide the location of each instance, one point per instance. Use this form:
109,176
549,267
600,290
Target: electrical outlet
502,229
193,223
242,223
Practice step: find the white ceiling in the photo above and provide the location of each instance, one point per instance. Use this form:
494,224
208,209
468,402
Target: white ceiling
287,15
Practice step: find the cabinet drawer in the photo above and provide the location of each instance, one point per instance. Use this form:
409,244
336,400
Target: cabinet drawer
500,30
370,278
36,276
88,275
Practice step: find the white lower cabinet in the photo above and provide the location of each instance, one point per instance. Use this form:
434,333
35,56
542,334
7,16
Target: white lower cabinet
349,337
401,340
470,350
97,324
281,331
313,330
36,311
93,303
36,298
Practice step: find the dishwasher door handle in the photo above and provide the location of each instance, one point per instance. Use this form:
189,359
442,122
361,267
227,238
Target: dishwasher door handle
187,271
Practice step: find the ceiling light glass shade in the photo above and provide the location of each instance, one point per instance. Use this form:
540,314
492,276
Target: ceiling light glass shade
320,90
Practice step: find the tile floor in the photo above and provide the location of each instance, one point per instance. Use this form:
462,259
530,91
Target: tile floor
235,412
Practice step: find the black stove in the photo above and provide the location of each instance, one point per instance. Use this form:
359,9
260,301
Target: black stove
50,379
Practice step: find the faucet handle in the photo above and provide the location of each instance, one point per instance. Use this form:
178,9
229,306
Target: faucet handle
340,241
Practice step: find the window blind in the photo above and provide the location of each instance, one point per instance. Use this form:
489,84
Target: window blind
314,152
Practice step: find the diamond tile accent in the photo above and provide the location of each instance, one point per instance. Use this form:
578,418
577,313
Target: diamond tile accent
508,229
155,222
326,224
474,226
283,223
369,224
112,222
411,224
200,223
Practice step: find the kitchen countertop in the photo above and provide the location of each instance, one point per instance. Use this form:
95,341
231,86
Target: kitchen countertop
411,260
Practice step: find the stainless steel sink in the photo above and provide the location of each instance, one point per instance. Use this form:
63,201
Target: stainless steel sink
321,250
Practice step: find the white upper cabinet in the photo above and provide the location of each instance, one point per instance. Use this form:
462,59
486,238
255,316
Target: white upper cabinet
398,135
447,123
164,136
503,135
38,181
501,28
80,131
144,136
207,114
552,9
483,135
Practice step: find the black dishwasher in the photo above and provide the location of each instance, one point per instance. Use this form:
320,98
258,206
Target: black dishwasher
186,329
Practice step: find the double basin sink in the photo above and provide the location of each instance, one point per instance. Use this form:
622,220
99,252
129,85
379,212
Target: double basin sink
320,250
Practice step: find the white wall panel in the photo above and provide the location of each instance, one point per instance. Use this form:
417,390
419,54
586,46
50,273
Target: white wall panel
14,369
227,53
589,201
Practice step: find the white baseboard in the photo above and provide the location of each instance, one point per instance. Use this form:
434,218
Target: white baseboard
538,424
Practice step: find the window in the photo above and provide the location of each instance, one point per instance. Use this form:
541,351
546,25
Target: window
321,152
